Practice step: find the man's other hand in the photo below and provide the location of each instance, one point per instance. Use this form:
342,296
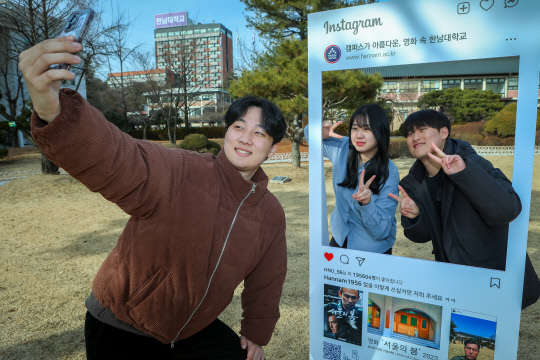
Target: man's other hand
44,84
408,207
255,352
451,164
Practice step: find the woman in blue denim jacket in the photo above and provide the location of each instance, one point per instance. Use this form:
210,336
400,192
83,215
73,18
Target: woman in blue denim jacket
363,175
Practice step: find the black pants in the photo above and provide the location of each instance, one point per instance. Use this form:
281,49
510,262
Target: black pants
216,341
334,243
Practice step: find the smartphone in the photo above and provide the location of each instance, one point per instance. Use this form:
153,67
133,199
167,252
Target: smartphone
77,25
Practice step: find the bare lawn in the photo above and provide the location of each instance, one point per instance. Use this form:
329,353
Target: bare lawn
55,235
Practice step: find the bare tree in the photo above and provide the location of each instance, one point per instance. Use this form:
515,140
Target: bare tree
187,61
23,24
121,52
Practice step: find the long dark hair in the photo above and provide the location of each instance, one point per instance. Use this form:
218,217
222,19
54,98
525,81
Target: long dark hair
373,117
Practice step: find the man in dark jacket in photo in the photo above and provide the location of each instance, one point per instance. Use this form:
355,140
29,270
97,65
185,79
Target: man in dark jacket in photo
458,200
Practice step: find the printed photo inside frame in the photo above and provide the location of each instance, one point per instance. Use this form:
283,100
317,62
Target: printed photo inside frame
400,292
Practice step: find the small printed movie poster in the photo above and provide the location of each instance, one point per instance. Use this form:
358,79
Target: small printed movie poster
472,336
343,314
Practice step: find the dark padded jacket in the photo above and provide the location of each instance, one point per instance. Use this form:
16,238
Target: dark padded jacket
477,204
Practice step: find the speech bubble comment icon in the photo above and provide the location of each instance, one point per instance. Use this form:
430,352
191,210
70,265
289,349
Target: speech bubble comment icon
344,259
510,3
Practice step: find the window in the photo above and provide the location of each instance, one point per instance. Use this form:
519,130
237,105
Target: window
451,84
408,86
475,84
389,87
512,83
403,319
496,85
414,321
429,85
424,324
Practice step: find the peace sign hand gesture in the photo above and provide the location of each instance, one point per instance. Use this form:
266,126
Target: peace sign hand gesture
451,164
408,207
363,195
328,130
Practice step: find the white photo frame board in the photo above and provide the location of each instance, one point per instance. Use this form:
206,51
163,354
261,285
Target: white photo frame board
491,29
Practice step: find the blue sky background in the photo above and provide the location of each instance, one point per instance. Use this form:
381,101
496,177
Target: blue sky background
475,326
230,13
141,12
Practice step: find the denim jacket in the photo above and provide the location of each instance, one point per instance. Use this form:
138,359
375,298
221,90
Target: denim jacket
370,227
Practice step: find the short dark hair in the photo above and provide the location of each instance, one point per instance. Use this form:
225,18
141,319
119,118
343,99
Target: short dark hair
272,119
431,118
471,342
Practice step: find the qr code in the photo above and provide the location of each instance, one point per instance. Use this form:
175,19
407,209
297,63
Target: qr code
331,351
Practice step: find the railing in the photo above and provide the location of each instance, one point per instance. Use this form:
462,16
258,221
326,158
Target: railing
499,150
481,150
286,157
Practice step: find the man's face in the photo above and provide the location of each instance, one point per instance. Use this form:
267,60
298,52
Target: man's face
332,322
471,351
419,141
247,144
349,298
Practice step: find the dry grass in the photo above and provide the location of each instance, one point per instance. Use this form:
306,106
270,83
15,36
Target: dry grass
55,235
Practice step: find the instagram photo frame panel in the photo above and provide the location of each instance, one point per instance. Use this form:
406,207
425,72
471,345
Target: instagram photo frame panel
396,292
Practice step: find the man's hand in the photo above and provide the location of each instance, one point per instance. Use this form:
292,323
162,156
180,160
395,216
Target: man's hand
255,352
44,84
408,207
363,195
451,164
328,130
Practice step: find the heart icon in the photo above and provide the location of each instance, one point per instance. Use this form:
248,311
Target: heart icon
328,256
486,4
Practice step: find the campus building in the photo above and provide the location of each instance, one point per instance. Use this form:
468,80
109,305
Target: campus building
160,76
201,57
403,85
13,39
407,320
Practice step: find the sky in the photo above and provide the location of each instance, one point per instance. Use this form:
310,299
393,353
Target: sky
475,326
230,13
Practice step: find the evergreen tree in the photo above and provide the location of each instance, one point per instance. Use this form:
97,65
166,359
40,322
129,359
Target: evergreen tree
277,20
281,73
463,105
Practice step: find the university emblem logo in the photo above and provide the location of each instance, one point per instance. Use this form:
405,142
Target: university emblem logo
332,54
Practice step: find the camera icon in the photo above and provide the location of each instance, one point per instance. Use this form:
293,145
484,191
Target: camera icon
463,8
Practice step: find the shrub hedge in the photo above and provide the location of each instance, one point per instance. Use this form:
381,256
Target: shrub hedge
199,143
398,148
503,124
4,152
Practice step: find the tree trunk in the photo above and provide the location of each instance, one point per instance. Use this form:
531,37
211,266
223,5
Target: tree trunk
295,152
175,129
48,167
144,132
296,140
